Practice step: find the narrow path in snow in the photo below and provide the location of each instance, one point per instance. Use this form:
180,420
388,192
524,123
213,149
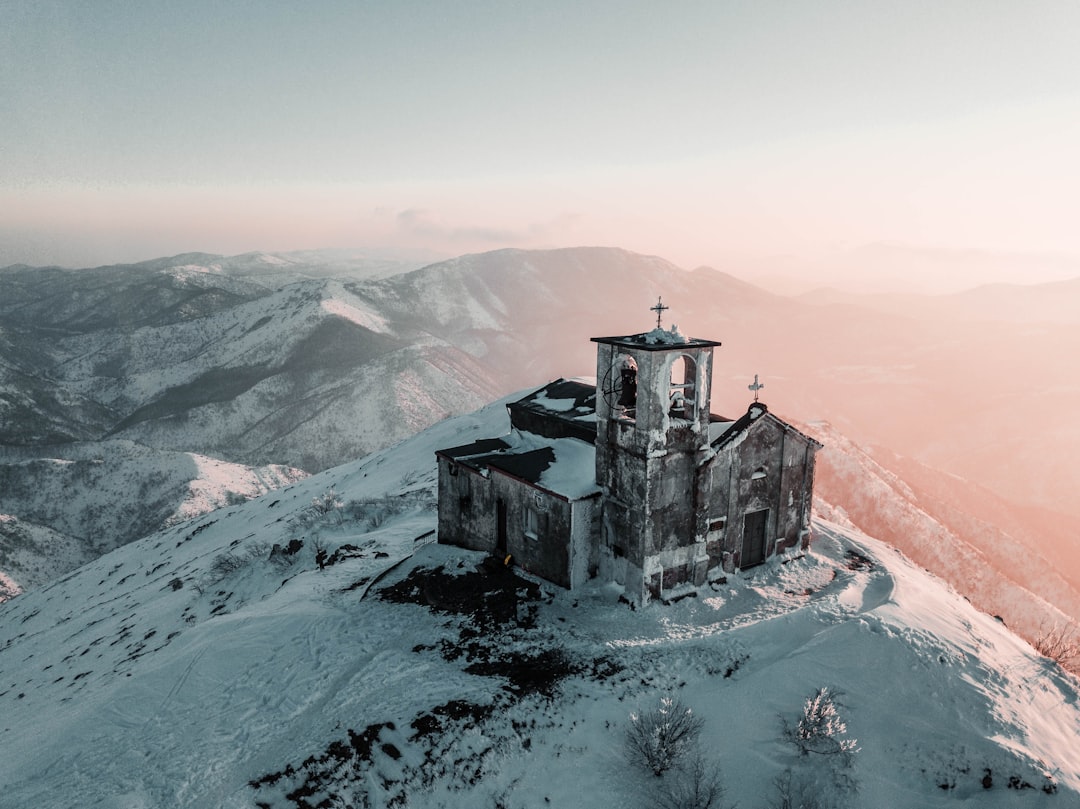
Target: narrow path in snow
868,574
878,591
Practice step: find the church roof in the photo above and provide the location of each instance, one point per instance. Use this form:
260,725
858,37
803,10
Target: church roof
723,433
564,467
565,408
481,447
528,465
657,340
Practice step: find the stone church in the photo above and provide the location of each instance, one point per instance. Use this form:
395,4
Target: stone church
632,480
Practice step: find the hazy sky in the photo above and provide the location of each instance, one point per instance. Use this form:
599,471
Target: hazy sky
698,131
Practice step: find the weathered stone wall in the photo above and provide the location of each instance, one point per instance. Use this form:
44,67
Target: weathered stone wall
799,459
467,511
584,535
547,552
767,468
796,487
673,522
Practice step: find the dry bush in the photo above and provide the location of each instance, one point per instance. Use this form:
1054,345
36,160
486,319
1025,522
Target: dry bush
225,564
820,729
791,793
1061,643
692,784
659,738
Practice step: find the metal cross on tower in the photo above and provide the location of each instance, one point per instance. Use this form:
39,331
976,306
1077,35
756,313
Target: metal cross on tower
756,387
659,309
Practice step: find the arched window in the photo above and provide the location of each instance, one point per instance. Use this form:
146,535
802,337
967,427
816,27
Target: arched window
620,387
683,389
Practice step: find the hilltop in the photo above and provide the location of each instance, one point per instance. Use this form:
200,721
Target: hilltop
202,666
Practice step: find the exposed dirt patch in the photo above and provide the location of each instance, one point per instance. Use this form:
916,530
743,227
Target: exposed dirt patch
527,672
457,713
491,596
857,561
317,773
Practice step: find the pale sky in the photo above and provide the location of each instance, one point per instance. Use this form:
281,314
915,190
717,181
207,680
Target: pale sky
698,131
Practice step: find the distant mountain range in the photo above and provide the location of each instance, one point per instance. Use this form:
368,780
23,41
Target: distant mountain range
287,364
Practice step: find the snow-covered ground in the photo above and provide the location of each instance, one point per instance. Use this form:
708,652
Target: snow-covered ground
1021,581
58,512
200,667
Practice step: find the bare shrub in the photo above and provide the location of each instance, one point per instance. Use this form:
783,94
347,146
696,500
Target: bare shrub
820,729
692,784
659,738
794,794
320,552
1061,643
379,511
326,502
376,511
225,564
325,508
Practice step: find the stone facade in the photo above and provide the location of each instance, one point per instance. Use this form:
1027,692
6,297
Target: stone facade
761,491
632,480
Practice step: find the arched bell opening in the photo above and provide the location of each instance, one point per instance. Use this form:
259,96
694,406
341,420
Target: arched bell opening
620,387
682,390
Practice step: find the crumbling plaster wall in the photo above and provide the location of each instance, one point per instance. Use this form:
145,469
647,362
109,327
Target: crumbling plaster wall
767,467
467,510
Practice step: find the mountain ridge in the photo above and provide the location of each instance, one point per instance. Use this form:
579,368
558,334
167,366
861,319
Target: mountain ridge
317,371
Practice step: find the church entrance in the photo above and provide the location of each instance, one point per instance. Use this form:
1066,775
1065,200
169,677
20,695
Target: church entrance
500,527
753,543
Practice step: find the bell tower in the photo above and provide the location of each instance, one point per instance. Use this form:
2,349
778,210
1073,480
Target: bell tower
652,442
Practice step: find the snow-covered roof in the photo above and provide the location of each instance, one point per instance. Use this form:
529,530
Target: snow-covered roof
656,340
563,396
565,408
726,432
476,448
718,427
564,467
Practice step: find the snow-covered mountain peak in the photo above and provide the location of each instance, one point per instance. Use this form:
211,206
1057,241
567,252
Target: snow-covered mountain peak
185,271
216,664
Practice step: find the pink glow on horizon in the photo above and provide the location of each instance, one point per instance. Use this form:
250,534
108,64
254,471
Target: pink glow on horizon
746,134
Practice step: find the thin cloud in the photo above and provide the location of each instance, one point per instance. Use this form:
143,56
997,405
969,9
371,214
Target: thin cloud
424,224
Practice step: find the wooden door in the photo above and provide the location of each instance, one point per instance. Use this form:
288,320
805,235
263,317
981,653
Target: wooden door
753,543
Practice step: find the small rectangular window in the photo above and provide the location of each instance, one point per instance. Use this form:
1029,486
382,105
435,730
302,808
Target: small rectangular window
532,523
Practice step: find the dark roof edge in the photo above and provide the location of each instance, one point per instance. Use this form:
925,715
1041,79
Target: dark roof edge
746,420
482,446
637,341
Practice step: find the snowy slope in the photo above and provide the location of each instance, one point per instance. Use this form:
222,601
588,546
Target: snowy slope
156,368
31,554
220,356
1002,575
197,667
59,512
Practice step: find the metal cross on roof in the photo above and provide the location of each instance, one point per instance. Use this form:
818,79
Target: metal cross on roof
659,309
756,387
